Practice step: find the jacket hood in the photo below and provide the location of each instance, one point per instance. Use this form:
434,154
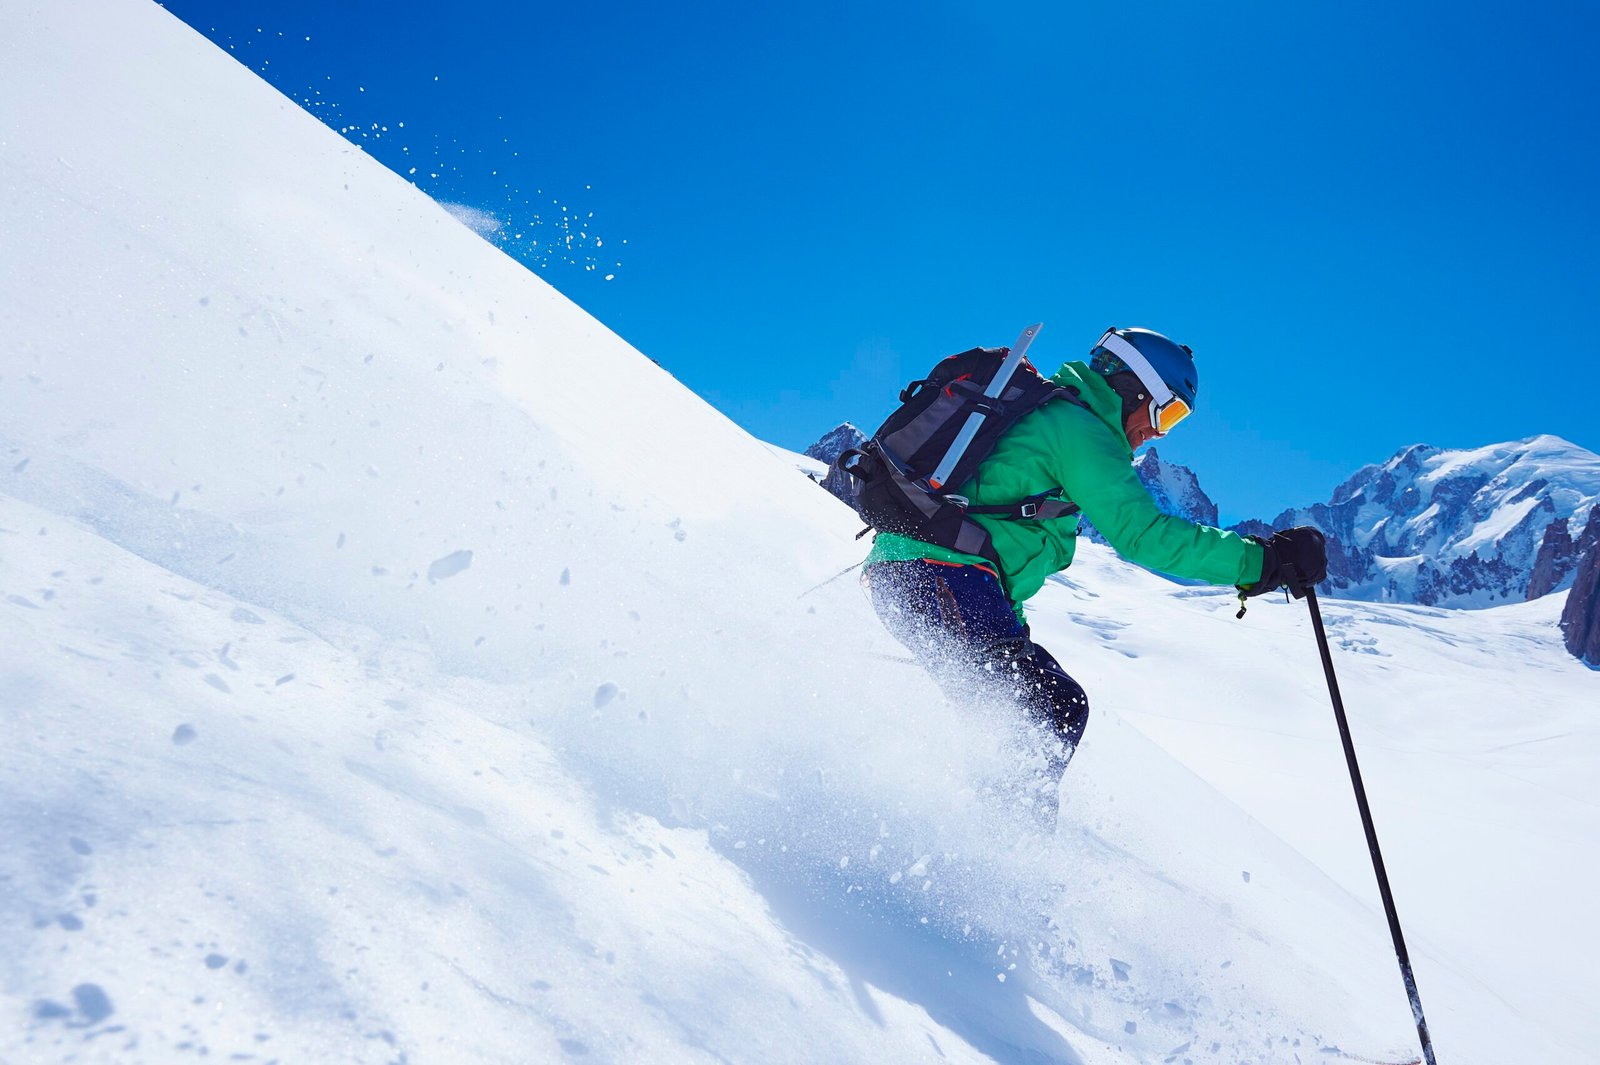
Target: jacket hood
1097,393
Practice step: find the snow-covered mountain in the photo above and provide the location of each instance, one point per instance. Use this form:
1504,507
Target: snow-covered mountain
1454,527
374,691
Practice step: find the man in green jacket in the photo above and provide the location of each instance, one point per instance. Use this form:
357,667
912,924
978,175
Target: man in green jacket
962,618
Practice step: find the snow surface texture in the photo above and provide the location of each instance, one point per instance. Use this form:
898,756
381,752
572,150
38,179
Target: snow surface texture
376,690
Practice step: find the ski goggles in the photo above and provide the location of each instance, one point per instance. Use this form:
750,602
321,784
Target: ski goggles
1167,409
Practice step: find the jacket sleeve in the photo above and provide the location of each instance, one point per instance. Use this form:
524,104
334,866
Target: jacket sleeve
1097,473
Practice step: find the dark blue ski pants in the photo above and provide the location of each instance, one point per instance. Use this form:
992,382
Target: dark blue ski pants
959,624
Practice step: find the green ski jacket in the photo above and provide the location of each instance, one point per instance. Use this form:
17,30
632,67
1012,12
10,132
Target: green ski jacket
1086,453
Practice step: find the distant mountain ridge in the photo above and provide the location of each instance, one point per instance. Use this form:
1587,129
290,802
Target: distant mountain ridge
1459,527
1456,527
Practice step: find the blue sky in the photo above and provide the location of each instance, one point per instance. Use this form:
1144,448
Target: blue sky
1376,224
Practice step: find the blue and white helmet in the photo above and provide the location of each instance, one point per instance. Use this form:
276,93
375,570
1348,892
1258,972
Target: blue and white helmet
1161,364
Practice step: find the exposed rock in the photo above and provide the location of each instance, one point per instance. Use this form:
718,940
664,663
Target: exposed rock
1554,560
1580,620
833,444
1175,488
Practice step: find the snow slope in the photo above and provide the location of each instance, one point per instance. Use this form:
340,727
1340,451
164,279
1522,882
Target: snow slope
381,687
1478,740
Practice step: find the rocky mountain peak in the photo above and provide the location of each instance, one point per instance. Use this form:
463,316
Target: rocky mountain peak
1175,488
836,441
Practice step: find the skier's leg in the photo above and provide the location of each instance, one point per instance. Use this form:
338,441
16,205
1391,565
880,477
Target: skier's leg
1050,694
960,624
948,616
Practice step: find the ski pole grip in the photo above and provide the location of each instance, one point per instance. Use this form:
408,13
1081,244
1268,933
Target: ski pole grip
1300,583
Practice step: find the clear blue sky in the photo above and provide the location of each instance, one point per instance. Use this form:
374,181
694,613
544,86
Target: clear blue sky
1375,223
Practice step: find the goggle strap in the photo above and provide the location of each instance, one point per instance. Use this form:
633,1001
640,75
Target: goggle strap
1124,350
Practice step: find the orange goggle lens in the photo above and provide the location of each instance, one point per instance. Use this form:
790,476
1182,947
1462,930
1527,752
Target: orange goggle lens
1170,414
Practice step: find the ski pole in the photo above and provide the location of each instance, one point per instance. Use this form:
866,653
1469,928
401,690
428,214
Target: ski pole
1400,953
831,579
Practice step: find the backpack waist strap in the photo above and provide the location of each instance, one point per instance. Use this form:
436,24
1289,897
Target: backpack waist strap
1039,507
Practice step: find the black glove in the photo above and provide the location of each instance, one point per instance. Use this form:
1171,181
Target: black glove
1296,558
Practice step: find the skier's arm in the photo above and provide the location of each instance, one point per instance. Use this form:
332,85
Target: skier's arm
1097,474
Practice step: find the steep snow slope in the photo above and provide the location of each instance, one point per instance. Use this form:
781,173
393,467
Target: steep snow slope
381,689
271,846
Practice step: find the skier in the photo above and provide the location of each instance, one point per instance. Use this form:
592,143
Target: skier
961,615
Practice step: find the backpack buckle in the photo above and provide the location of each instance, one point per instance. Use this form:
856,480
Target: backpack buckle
1029,510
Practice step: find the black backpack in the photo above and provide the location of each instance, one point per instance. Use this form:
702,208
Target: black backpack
892,472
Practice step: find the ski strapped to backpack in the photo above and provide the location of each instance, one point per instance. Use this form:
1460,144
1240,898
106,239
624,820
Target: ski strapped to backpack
946,425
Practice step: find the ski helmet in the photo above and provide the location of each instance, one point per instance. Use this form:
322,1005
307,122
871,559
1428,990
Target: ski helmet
1164,368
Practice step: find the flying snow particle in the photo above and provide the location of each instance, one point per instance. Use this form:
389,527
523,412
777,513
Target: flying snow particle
481,222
